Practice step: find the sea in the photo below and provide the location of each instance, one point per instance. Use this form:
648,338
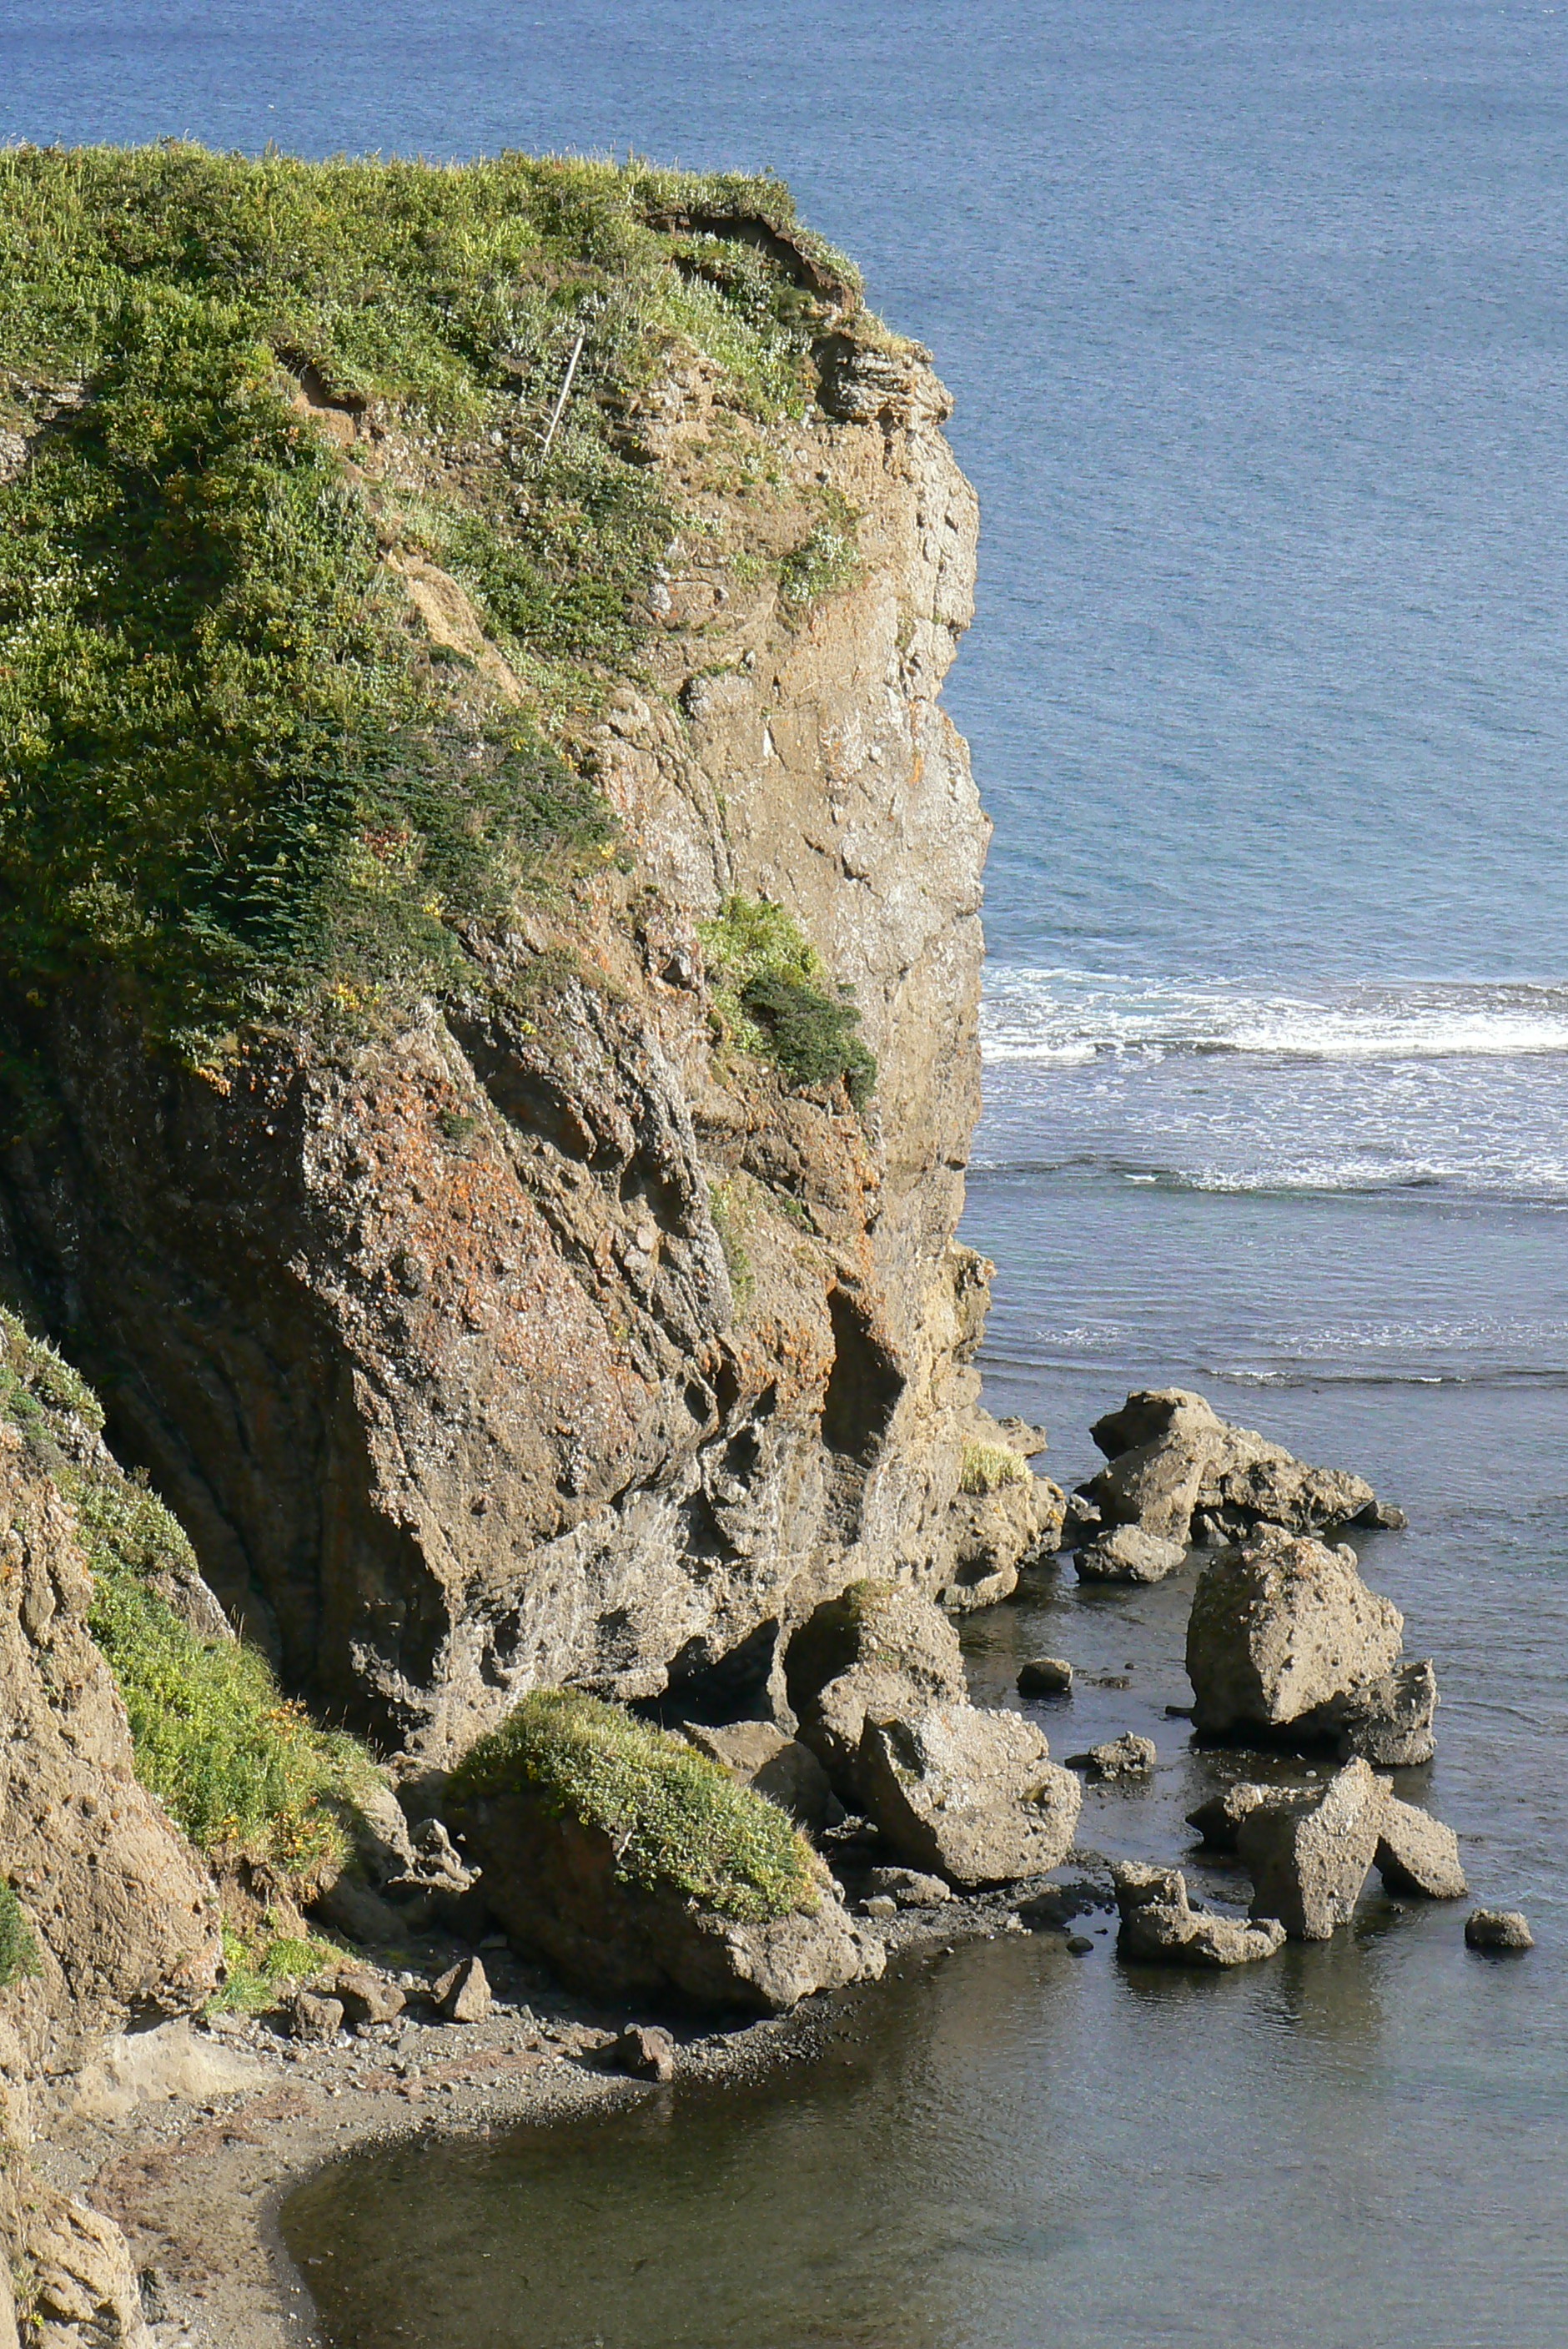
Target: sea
1256,318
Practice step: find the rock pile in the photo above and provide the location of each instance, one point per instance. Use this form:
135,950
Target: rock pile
1158,1921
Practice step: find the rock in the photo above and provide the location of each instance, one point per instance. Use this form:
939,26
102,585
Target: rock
1177,1469
1082,1520
1127,1554
366,1997
1309,1855
1415,1853
1387,1720
164,2064
1218,1821
970,1796
313,2018
760,1754
1046,1676
353,1908
1003,1518
907,1887
1158,1921
463,1992
880,1904
889,1651
1081,1945
644,2052
1498,1929
1279,1628
1129,1756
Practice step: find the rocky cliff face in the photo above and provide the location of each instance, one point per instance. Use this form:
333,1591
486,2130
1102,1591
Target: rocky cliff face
559,1341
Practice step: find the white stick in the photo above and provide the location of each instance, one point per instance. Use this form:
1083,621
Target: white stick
565,395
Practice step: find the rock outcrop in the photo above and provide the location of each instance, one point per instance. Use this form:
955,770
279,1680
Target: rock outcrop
1180,1473
1281,1628
970,1796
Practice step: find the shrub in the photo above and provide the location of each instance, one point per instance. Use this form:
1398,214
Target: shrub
258,1973
18,1943
988,1466
676,1817
768,990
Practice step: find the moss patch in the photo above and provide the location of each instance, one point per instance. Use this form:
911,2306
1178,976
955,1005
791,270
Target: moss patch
769,990
258,1974
677,1818
988,1466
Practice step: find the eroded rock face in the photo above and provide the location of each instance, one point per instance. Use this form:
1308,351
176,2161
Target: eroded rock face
1387,1720
1281,1627
970,1796
1415,1853
1309,1857
435,1343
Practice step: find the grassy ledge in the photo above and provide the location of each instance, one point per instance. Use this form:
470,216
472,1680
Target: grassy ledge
770,993
987,1468
676,1817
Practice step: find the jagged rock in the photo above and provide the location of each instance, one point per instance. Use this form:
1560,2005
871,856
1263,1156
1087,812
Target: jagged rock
350,1907
1129,1756
1178,1470
364,1996
1082,1520
1387,1720
998,1522
907,1887
1046,1676
1309,1857
85,2292
644,2052
313,2018
1415,1853
463,1992
1127,1554
1278,1629
874,1649
970,1796
1158,1921
1498,1929
1218,1821
760,1754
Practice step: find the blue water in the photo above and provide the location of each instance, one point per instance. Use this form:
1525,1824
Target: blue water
1257,317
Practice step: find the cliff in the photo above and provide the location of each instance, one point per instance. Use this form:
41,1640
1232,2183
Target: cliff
515,1275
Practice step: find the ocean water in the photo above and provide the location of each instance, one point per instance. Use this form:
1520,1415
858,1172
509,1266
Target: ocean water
1257,319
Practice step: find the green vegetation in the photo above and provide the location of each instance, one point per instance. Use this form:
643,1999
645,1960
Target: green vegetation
727,1223
676,1817
236,771
258,1974
18,1943
827,560
241,1769
768,987
987,1466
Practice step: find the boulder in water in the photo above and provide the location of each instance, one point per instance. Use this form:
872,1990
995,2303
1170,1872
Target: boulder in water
970,1796
1280,1626
1310,1856
1046,1676
1127,1554
1129,1756
1415,1853
1218,1821
1158,1921
1498,1929
1387,1720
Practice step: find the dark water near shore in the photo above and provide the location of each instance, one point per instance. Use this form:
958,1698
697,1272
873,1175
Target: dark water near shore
1258,319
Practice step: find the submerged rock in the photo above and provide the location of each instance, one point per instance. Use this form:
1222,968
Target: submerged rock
1309,1855
1158,1921
973,1797
1046,1676
874,1649
1129,1553
1280,1628
1498,1929
1129,1756
1415,1853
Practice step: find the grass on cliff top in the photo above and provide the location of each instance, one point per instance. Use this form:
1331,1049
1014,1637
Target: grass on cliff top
235,771
988,1466
240,1768
772,992
676,1817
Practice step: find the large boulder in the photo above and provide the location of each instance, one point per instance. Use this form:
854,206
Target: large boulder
1279,1628
874,1649
1415,1853
970,1796
761,1755
1309,1857
1127,1554
1179,1472
636,1867
1158,1921
1002,1519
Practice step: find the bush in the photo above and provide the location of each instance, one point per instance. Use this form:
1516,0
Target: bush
767,988
676,1817
257,1974
18,1943
987,1466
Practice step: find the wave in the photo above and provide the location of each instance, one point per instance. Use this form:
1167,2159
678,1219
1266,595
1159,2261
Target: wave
1073,1017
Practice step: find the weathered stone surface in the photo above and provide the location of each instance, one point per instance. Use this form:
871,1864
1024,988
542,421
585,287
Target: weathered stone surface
1218,1821
992,1535
1498,1929
1127,1554
1415,1853
1154,1486
970,1796
908,1887
1310,1857
365,1997
555,1882
1158,1921
1046,1676
878,1650
1129,1756
760,1754
314,2017
1387,1720
644,2052
463,1992
1280,1626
